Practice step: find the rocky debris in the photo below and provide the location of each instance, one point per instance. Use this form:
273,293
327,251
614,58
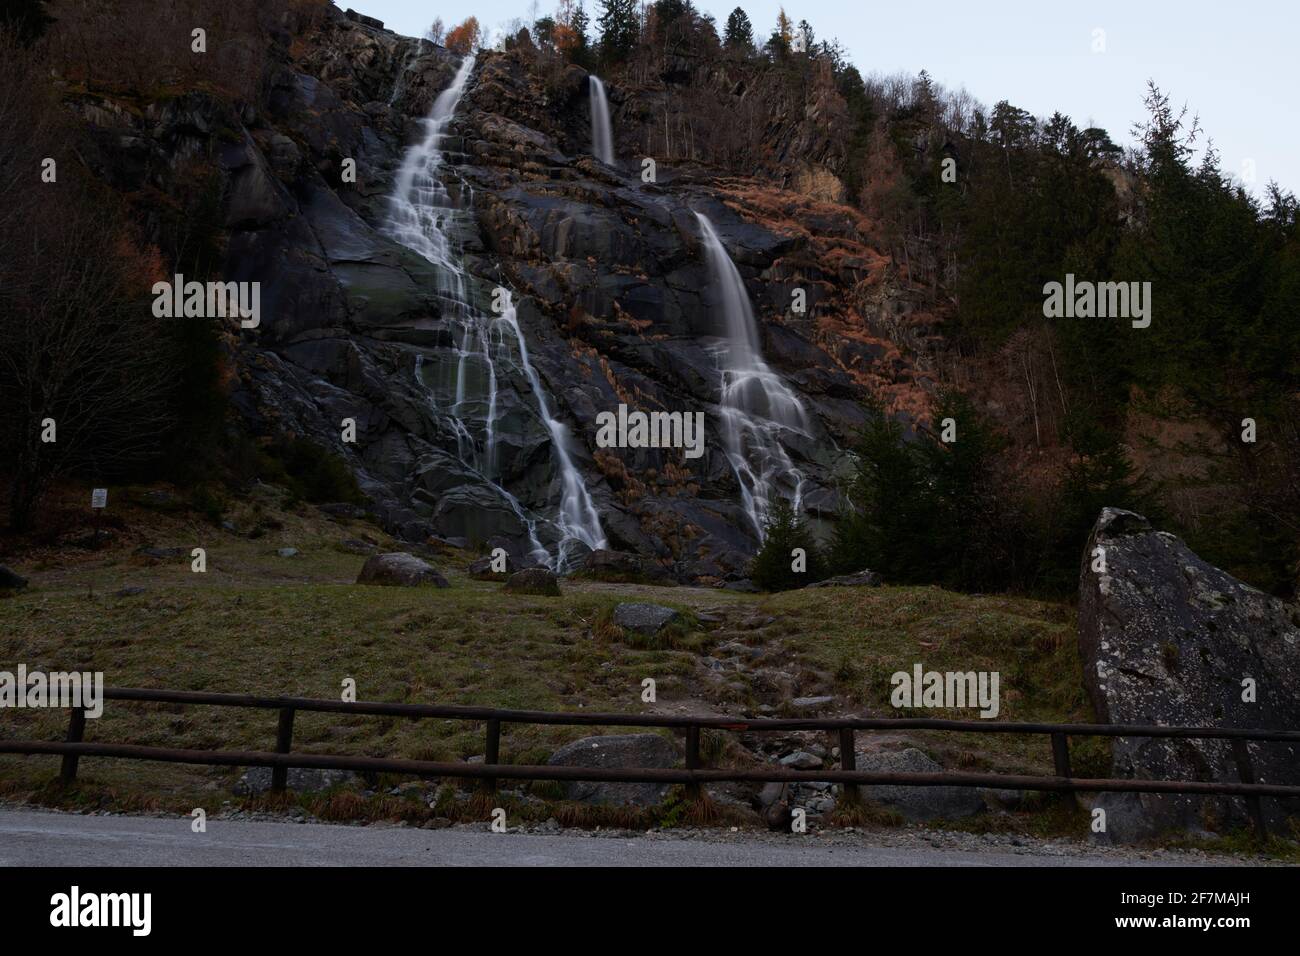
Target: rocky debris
862,579
257,780
743,586
917,803
1168,639
287,552
534,581
645,619
357,546
481,570
622,567
617,751
400,569
11,579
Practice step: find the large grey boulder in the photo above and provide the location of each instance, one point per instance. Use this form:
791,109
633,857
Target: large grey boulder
617,751
400,569
1167,639
917,803
647,619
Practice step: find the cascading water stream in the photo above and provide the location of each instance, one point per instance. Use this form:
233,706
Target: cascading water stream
756,405
421,216
602,132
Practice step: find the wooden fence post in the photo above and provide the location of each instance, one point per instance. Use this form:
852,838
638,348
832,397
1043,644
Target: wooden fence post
1061,755
492,753
849,761
76,731
283,744
693,758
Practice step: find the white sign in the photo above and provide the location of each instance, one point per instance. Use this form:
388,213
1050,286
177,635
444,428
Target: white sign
99,498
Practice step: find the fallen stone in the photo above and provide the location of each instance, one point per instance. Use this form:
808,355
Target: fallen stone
257,780
131,591
801,760
534,581
481,570
917,803
744,586
811,703
647,619
287,552
1166,638
399,569
625,751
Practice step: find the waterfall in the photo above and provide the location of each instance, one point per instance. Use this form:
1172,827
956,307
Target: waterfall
756,405
602,134
421,216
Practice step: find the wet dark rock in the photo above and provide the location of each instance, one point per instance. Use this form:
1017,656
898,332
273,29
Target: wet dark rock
257,780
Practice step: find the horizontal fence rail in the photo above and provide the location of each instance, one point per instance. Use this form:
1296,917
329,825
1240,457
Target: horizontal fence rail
694,774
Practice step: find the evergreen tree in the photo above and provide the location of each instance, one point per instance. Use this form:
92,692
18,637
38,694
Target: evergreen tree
620,29
739,35
27,18
773,567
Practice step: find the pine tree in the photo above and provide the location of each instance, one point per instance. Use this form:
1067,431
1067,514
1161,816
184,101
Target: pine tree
739,35
773,566
27,18
620,29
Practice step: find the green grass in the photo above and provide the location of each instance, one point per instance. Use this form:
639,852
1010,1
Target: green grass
259,623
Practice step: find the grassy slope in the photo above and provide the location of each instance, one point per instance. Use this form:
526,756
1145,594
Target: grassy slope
257,622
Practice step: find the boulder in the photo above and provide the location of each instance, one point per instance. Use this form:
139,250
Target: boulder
1166,638
11,579
621,566
534,581
917,803
625,751
257,780
863,579
400,569
481,570
801,760
647,619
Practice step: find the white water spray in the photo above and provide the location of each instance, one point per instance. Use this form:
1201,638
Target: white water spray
421,215
756,405
602,133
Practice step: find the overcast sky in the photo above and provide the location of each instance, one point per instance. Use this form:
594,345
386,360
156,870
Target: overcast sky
1233,63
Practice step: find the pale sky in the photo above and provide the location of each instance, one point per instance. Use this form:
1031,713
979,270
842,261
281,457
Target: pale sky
1234,64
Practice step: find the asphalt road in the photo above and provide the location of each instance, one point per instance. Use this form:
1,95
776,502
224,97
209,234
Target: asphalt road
36,838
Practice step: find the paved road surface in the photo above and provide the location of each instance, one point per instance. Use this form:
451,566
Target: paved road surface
60,839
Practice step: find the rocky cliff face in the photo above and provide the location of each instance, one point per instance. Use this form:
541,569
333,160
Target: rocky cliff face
607,273
1167,639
